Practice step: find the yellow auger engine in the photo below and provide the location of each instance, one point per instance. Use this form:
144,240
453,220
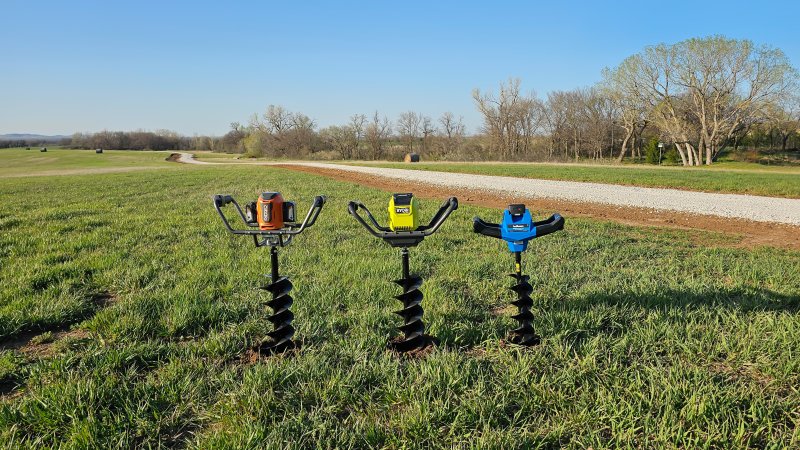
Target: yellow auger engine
403,212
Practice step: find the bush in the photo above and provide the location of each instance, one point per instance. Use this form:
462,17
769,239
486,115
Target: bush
672,157
651,155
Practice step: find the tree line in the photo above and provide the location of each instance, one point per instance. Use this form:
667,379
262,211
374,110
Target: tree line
698,97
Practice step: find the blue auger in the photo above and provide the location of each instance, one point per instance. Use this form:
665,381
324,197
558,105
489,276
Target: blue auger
517,228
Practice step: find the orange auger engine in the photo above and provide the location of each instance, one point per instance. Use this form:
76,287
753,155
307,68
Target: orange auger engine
270,211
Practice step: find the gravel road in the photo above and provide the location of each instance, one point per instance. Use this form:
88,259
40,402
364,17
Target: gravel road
750,207
188,158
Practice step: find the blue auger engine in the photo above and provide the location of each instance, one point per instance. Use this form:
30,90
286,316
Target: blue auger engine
517,228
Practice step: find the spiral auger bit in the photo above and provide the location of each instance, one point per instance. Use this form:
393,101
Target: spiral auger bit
404,231
273,224
517,228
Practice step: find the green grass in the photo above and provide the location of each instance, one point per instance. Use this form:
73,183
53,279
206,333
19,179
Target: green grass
652,338
728,177
16,162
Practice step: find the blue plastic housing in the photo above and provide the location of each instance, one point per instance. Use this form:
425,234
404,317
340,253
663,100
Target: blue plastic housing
517,230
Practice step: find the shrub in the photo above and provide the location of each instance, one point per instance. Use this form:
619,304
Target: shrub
672,157
651,155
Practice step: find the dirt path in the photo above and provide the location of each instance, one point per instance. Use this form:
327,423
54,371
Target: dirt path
749,233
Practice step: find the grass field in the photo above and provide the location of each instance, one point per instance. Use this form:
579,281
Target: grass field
16,162
728,177
145,307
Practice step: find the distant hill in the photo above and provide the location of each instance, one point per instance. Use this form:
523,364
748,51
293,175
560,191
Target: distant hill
31,137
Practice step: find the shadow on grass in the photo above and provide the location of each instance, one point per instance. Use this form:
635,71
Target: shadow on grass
742,300
22,337
613,315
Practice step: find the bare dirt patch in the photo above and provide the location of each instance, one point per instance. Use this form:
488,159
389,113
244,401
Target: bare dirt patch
256,354
747,372
43,348
40,342
429,343
748,234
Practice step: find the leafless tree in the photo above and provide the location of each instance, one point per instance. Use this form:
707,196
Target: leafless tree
597,116
408,127
452,133
632,111
783,118
277,119
510,119
376,133
555,116
427,129
342,139
357,124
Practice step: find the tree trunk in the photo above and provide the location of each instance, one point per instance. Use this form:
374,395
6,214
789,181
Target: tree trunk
690,153
680,152
623,149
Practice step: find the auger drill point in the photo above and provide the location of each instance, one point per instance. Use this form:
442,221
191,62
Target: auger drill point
272,223
517,228
404,231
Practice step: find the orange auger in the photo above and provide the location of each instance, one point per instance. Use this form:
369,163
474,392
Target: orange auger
272,223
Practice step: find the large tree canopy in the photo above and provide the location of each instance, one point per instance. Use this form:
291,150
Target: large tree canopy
701,92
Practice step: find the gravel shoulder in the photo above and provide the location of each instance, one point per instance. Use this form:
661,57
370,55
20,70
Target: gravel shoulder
726,231
746,207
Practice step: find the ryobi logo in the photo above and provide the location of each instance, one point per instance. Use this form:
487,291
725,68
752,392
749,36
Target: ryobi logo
402,210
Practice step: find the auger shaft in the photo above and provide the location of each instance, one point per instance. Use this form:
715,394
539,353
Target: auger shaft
413,328
405,257
273,256
524,334
282,316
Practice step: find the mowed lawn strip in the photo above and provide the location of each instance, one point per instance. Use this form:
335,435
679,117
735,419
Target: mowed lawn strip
652,337
733,178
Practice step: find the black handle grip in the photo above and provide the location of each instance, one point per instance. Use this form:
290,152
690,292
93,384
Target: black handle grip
452,202
313,213
222,200
551,225
352,208
486,228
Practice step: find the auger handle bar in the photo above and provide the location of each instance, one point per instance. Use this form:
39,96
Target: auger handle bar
288,230
543,227
421,232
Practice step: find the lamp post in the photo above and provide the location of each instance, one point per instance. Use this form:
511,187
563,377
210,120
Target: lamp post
660,149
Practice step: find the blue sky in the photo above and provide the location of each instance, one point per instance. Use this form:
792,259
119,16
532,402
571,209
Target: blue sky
194,66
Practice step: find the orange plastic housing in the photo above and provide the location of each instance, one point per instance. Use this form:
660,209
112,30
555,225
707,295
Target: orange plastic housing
270,211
